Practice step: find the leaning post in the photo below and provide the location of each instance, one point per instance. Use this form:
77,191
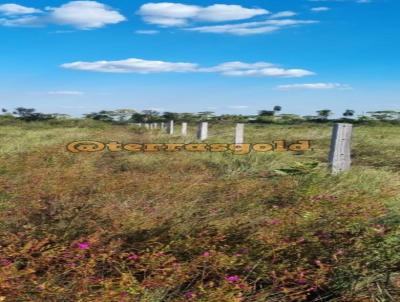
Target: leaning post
202,131
239,134
184,129
170,127
340,152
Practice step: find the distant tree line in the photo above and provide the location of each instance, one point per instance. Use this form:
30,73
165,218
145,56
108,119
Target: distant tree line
124,116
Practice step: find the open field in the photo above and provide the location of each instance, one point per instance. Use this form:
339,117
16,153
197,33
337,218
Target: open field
197,227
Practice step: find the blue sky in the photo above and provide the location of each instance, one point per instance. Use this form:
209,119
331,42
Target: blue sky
225,56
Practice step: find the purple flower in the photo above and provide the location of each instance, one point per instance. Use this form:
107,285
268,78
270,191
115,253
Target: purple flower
301,281
232,279
241,252
83,245
274,222
206,254
133,257
189,295
5,262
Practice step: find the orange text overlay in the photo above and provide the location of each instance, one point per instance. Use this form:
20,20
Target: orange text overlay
238,149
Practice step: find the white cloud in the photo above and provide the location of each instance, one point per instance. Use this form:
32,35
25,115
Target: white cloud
147,32
85,14
228,67
25,21
234,29
314,86
78,14
223,12
262,69
12,9
259,69
238,107
251,28
178,14
132,66
65,92
320,9
283,14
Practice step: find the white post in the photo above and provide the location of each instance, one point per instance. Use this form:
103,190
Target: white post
202,131
162,126
340,153
239,134
147,126
184,129
171,127
155,125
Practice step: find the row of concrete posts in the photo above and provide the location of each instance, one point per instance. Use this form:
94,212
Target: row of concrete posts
339,154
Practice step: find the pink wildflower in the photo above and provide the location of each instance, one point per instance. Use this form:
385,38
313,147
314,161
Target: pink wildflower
189,295
301,281
232,279
5,262
274,222
83,245
133,257
206,254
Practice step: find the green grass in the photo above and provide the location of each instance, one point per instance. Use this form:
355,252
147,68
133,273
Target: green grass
194,220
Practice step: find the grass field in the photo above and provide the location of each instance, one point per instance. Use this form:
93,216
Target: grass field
197,227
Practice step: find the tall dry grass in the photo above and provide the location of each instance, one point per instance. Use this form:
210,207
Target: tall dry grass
196,227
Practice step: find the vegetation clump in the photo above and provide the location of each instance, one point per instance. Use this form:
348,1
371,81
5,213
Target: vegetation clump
196,227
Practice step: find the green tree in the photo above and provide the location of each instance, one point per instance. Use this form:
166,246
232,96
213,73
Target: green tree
385,115
171,116
150,116
105,116
206,115
266,113
29,114
324,114
277,108
122,115
349,113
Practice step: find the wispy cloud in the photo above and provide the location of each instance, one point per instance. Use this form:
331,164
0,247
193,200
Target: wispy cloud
251,28
178,14
78,14
259,69
238,107
315,86
147,32
12,9
185,16
133,65
320,9
65,92
283,14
